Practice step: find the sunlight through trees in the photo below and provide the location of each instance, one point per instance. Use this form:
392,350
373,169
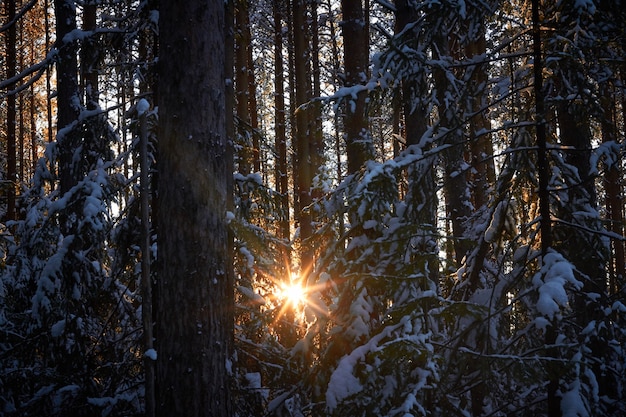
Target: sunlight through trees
312,208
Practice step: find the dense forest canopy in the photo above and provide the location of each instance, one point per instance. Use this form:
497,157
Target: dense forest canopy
425,215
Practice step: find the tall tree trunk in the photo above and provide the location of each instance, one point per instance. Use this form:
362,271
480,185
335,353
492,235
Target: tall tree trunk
33,131
356,58
291,55
11,64
195,282
252,103
286,331
304,176
456,190
21,139
482,176
50,136
585,249
335,70
242,86
481,147
281,176
146,263
317,133
575,133
614,199
89,57
458,200
543,172
421,188
67,94
415,112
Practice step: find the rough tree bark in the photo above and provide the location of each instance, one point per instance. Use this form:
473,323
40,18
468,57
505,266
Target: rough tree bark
245,90
304,174
195,281
67,93
355,30
11,63
614,198
481,146
456,189
89,57
281,171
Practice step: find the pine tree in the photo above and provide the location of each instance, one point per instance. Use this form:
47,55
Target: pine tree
194,333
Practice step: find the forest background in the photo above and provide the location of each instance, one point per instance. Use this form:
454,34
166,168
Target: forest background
442,181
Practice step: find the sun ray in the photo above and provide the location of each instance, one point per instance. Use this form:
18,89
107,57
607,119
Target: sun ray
293,293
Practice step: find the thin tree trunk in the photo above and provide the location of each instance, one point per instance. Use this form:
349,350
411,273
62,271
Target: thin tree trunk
293,107
20,141
334,59
195,283
286,331
21,113
281,177
415,113
481,147
317,133
89,58
543,172
11,63
458,202
542,153
252,103
456,189
242,90
421,188
33,132
614,196
146,279
48,76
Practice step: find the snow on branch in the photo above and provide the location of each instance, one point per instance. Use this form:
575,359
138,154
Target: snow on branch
556,272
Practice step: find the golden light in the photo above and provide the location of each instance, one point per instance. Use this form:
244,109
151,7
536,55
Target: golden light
292,293
297,304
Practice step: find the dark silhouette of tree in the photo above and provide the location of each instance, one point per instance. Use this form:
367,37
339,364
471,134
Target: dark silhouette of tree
11,116
195,279
355,30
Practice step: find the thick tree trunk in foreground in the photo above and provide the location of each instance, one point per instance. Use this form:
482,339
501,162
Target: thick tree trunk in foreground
195,282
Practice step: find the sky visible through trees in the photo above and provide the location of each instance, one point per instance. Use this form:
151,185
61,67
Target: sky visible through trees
312,208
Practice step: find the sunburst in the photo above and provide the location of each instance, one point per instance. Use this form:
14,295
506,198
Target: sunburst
293,293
